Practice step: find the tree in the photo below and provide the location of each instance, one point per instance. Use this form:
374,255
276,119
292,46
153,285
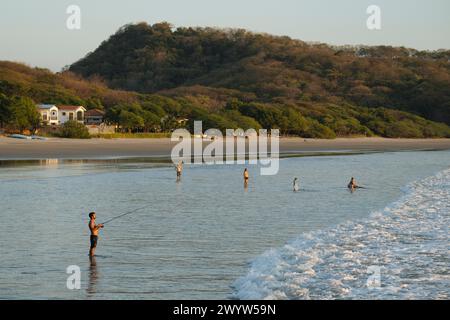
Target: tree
168,123
75,130
23,114
295,123
241,121
94,103
5,112
130,121
151,121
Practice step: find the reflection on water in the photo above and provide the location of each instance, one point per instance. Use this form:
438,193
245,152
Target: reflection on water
49,162
158,160
93,277
53,162
195,236
58,168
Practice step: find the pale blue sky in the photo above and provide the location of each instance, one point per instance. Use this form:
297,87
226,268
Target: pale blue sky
35,32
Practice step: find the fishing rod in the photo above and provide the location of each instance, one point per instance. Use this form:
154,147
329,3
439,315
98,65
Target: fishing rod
358,187
124,214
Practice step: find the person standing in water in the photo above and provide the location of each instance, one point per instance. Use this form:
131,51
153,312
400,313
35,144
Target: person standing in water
245,175
352,184
94,228
179,169
296,185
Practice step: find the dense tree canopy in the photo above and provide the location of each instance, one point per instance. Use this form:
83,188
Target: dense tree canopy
18,113
148,59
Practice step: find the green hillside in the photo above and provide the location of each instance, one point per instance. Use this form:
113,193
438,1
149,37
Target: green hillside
148,78
148,59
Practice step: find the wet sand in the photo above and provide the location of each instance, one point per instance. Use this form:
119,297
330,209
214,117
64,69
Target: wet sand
54,148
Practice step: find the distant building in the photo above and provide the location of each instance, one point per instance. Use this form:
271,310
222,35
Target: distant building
57,115
94,117
182,121
49,114
67,113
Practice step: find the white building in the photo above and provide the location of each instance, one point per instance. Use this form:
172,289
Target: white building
67,113
57,115
49,114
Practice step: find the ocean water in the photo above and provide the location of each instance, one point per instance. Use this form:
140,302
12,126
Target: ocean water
400,252
209,237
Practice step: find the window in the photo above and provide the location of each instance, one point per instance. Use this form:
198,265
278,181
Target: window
80,115
44,116
64,114
70,115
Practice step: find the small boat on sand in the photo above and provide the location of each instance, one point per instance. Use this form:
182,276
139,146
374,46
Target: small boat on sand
38,137
19,136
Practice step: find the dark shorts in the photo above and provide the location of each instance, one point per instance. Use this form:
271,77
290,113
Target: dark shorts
94,240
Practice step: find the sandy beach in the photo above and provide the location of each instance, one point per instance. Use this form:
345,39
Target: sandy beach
54,148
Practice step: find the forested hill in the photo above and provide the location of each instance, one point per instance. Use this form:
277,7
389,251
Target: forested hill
156,79
269,69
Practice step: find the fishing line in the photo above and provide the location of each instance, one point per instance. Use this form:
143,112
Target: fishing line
359,188
126,213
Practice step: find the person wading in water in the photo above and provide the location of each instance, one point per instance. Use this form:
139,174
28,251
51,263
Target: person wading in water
94,228
179,169
295,185
352,186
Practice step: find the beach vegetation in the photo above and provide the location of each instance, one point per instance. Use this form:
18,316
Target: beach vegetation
18,113
74,130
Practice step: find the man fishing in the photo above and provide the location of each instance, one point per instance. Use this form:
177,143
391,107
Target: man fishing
94,228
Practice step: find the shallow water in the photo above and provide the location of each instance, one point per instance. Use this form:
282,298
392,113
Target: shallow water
208,237
401,252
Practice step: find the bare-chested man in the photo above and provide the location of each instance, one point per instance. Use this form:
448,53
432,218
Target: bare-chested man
94,233
246,175
179,169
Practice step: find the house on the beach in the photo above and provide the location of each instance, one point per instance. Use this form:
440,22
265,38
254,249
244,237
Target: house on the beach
57,115
94,117
49,114
67,113
94,120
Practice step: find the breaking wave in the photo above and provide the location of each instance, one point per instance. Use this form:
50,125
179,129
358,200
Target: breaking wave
401,252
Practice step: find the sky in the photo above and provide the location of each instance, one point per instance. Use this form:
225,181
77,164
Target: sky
35,32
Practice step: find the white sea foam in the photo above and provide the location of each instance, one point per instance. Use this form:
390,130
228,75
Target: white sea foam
407,243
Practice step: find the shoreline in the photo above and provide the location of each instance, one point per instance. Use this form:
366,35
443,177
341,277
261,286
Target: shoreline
57,148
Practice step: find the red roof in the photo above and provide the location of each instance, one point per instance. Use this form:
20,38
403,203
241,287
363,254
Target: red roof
69,108
94,113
